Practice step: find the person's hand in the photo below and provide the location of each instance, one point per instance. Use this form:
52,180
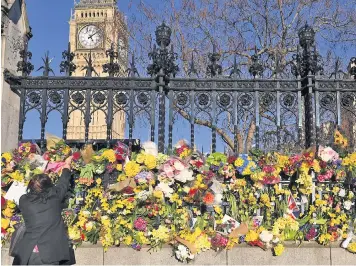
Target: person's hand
68,162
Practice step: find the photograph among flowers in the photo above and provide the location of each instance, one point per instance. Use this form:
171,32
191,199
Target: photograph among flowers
192,201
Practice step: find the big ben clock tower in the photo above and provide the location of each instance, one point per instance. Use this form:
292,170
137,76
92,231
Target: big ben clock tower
94,26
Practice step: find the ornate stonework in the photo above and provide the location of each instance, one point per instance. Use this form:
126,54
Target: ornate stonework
94,26
14,28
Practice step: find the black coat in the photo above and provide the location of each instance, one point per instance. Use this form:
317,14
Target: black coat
44,225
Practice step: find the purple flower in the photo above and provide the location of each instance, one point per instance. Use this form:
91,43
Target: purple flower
311,234
16,218
136,246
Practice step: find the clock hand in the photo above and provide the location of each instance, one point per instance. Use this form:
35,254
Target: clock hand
91,36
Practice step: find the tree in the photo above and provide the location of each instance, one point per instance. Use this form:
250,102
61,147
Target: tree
237,27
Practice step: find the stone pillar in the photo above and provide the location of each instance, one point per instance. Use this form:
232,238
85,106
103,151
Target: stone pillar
15,26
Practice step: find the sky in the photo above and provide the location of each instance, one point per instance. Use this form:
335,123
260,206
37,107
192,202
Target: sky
49,21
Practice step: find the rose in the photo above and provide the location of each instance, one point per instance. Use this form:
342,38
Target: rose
342,193
46,156
76,156
347,205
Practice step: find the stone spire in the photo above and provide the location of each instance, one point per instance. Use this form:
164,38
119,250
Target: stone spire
96,3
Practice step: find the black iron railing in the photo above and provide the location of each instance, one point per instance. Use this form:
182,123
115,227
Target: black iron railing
270,114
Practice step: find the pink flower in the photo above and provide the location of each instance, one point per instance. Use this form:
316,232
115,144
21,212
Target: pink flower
327,154
326,176
168,170
268,169
219,241
140,224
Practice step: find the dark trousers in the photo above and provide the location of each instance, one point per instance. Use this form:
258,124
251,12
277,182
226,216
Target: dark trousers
35,259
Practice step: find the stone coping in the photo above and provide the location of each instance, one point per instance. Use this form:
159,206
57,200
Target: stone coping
309,253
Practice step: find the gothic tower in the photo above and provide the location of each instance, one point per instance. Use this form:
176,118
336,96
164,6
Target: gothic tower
93,27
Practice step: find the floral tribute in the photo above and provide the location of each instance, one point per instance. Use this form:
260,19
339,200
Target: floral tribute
195,202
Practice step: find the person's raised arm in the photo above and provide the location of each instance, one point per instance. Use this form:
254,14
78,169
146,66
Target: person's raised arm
64,180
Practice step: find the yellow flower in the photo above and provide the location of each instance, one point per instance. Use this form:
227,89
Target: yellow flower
109,155
5,223
336,190
240,182
175,198
161,234
10,204
132,169
217,209
150,161
98,181
119,167
278,250
352,247
128,240
7,156
251,236
8,212
185,153
17,176
121,177
252,199
265,200
324,239
158,194
140,158
239,162
74,233
202,243
66,150
89,226
316,166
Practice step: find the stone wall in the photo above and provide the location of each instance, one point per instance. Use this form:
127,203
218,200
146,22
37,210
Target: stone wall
12,40
307,254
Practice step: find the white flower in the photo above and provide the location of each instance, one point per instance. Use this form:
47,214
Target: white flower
351,194
143,195
86,213
180,143
342,193
178,166
218,198
182,253
150,148
275,240
327,154
166,189
184,176
347,205
266,236
186,189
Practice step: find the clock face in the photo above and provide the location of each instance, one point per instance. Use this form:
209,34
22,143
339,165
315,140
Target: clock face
90,36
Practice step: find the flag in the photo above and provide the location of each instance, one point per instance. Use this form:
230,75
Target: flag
294,211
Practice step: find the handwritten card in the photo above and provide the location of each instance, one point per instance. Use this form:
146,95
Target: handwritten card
15,192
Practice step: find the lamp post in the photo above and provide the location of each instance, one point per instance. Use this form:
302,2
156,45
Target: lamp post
306,64
352,67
